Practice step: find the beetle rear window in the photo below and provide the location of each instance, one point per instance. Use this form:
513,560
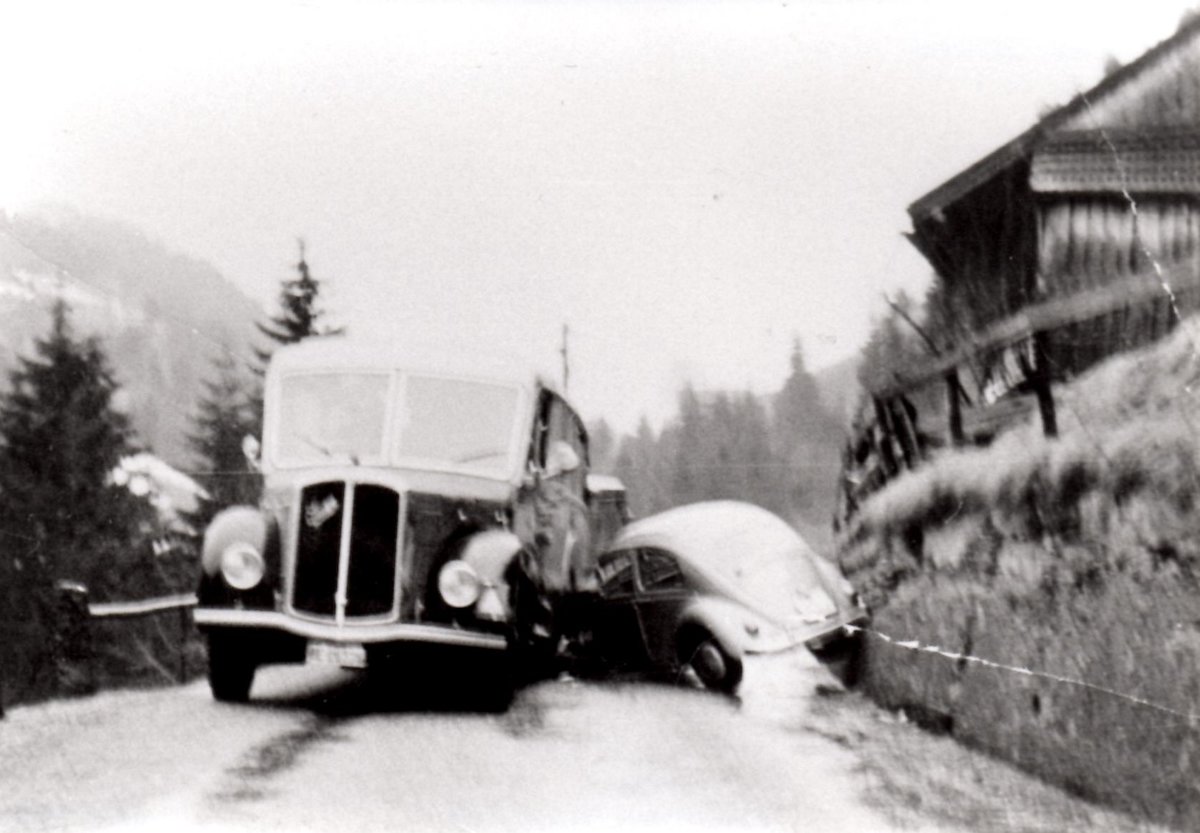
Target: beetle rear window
616,574
659,570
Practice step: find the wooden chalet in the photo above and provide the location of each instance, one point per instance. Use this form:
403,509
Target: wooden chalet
1077,239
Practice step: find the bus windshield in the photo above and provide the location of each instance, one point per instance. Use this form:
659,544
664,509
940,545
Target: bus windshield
436,422
457,422
332,416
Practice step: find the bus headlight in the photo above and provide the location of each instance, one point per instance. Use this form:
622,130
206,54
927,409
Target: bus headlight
459,584
242,565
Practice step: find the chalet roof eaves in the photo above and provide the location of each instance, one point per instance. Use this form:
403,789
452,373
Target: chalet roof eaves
1021,148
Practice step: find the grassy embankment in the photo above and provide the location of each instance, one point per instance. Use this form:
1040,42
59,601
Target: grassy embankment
1077,557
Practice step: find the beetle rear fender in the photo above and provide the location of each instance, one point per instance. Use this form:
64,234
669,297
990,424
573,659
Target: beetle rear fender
724,620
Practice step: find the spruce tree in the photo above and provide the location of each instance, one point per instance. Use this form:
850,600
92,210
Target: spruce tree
62,514
643,464
692,455
299,317
761,471
808,441
61,438
221,423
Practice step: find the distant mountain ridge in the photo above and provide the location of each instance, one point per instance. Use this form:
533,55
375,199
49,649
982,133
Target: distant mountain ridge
161,316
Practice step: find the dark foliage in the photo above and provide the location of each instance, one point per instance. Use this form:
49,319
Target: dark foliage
63,516
299,317
223,419
62,439
808,439
643,465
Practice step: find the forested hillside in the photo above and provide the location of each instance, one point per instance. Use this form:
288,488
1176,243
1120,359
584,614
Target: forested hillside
163,316
105,340
781,452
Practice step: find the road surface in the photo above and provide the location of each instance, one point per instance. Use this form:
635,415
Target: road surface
320,749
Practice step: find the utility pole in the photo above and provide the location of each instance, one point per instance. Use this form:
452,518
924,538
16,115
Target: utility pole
566,367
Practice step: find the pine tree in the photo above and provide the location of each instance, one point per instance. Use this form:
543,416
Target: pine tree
694,454
60,440
299,317
808,441
62,514
222,421
762,474
643,464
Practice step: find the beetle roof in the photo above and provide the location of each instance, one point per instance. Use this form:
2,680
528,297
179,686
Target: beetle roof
708,529
750,552
345,353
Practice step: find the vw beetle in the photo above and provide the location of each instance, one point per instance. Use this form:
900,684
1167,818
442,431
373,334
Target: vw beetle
693,590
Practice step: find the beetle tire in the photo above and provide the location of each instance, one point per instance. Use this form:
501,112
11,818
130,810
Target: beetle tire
230,670
715,668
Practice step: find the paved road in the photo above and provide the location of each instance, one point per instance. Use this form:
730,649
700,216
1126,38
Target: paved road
316,750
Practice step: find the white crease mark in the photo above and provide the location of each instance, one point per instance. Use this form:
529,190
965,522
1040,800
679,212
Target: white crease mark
1163,281
1192,718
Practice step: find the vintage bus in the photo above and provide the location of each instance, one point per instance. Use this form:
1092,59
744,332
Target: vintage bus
409,499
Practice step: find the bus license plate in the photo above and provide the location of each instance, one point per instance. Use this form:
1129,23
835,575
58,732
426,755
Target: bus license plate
336,653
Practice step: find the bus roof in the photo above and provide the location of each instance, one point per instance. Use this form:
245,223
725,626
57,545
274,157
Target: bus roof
345,353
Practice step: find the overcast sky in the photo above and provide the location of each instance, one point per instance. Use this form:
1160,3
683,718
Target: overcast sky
689,186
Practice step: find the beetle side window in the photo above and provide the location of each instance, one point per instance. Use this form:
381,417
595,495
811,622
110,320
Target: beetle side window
659,571
615,573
